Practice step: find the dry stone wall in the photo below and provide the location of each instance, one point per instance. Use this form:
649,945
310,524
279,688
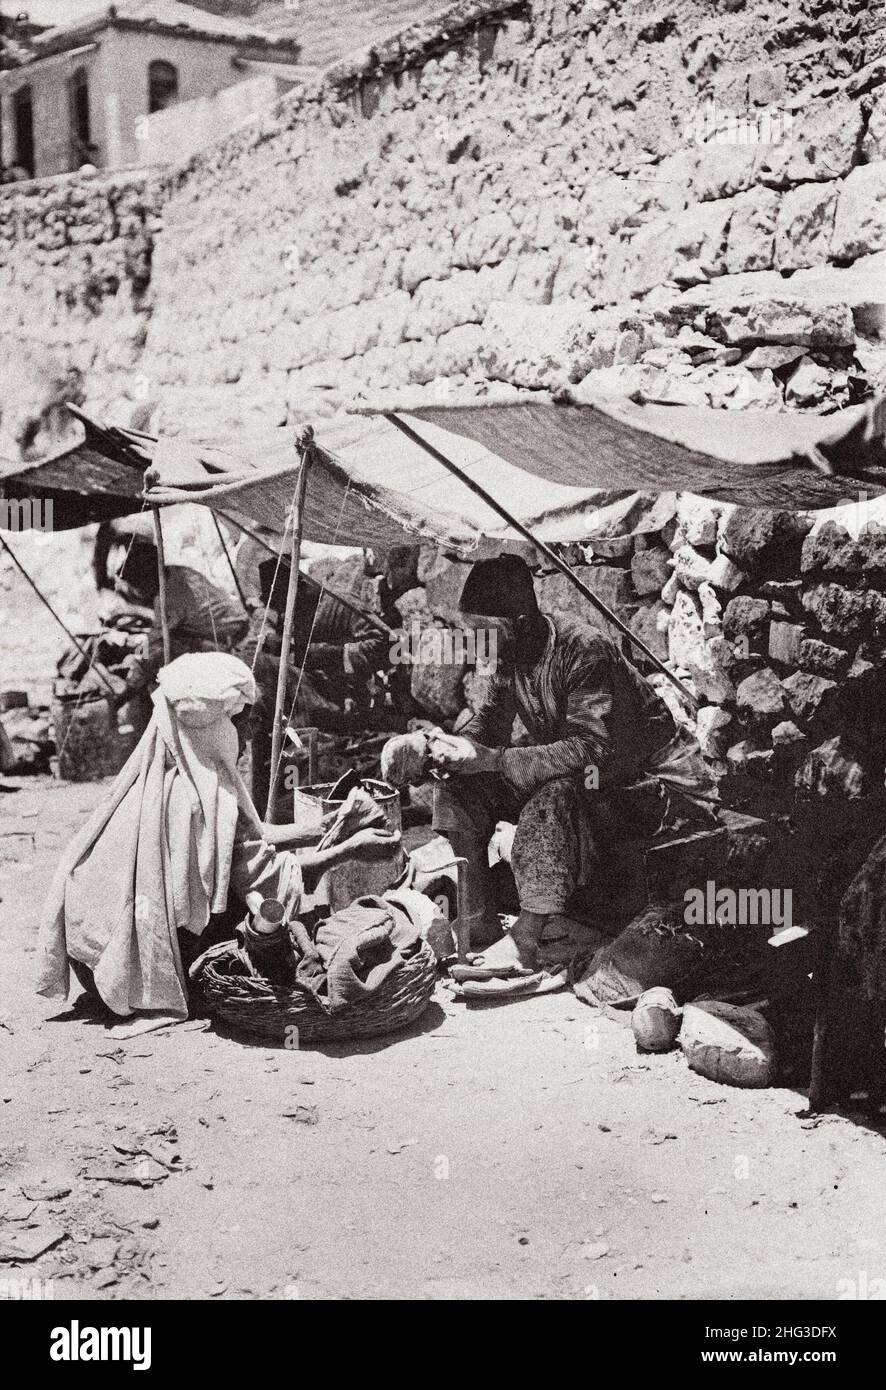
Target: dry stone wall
685,201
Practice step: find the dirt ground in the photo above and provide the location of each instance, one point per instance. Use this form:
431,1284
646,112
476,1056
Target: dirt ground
522,1150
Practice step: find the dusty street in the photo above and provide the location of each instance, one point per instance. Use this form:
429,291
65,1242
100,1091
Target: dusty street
523,1150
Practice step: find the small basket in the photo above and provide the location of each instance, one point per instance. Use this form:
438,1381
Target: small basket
252,1004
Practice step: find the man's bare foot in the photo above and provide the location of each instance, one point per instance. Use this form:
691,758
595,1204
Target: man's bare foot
516,953
526,935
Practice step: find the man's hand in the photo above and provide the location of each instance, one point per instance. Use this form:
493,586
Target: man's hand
455,753
374,838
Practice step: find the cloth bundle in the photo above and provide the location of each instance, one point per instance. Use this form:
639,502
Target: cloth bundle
356,950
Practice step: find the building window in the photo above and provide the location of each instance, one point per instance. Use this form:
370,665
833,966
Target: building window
23,126
82,148
162,85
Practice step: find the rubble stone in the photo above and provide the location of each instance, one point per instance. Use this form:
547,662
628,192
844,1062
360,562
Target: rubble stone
787,735
685,631
746,617
650,570
764,540
650,623
712,667
696,521
832,769
845,612
808,384
691,567
724,574
760,696
785,643
713,725
831,549
822,659
809,695
711,611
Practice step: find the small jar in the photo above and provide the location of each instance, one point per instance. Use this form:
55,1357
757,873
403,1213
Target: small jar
268,943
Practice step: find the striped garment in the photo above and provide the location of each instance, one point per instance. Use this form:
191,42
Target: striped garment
585,708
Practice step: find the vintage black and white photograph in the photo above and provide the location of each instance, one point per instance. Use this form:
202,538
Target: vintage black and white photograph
443,659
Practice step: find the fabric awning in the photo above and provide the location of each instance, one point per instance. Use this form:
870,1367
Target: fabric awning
566,471
97,478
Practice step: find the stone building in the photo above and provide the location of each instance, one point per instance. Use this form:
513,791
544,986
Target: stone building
85,91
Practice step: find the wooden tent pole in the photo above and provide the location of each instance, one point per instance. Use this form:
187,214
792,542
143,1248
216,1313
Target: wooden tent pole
161,570
544,549
231,566
304,446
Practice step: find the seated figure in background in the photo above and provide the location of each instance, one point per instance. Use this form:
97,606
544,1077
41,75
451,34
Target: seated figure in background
201,616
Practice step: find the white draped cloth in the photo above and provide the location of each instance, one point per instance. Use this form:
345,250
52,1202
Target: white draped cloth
157,856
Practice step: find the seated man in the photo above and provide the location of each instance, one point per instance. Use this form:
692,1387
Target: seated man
201,617
595,728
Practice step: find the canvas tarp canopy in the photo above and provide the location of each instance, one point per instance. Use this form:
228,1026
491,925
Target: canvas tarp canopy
95,478
566,471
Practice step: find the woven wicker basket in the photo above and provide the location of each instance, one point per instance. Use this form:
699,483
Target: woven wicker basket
253,1005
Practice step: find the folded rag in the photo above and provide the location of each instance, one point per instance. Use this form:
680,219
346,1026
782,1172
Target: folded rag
358,810
355,951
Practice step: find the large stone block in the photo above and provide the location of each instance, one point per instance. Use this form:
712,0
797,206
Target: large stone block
860,223
782,320
751,243
805,225
821,144
527,345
